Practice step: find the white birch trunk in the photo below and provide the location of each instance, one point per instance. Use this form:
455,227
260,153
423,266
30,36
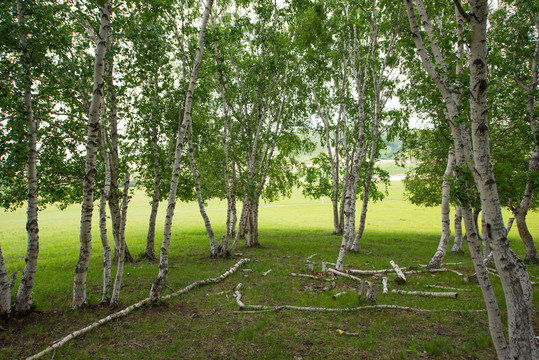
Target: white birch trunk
105,192
513,274
23,300
159,282
439,255
457,244
79,288
5,289
214,250
121,249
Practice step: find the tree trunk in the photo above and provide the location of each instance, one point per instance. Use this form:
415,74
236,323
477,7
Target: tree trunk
114,199
196,175
23,300
252,229
513,274
150,238
79,288
159,282
5,289
526,236
105,192
121,250
457,245
439,255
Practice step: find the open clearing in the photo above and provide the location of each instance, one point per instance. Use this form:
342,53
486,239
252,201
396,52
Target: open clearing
202,325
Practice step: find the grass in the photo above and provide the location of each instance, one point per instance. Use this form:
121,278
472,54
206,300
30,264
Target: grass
202,325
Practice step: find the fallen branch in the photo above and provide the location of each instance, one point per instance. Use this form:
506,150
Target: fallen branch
267,272
400,275
310,257
410,272
372,272
428,294
244,308
456,272
310,277
339,294
337,272
446,288
129,309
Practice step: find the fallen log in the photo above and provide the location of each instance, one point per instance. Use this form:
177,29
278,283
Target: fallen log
384,284
428,294
59,343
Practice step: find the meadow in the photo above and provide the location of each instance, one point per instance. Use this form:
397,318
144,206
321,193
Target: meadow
201,324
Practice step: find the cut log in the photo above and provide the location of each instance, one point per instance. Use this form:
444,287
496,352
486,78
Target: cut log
372,292
340,273
311,268
55,345
324,267
400,276
384,284
428,294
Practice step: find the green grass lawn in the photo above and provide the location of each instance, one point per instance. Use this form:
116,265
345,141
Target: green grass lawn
201,324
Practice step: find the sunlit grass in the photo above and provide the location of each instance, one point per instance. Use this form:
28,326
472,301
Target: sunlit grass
201,324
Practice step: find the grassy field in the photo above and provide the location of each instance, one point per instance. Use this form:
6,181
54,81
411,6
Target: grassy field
201,324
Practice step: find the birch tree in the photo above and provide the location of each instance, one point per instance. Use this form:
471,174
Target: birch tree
79,288
159,282
476,157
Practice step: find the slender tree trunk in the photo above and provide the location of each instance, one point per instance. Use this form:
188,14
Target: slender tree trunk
23,300
150,238
114,199
457,244
105,192
526,236
79,288
214,249
5,289
252,232
121,251
439,255
159,282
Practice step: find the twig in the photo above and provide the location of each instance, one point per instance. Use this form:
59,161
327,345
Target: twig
267,272
129,309
310,257
339,294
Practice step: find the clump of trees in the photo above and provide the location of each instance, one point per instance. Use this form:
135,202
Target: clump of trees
218,101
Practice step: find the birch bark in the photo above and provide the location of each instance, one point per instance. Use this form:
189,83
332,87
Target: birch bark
121,248
439,255
159,282
5,289
23,300
214,249
79,288
105,192
457,244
